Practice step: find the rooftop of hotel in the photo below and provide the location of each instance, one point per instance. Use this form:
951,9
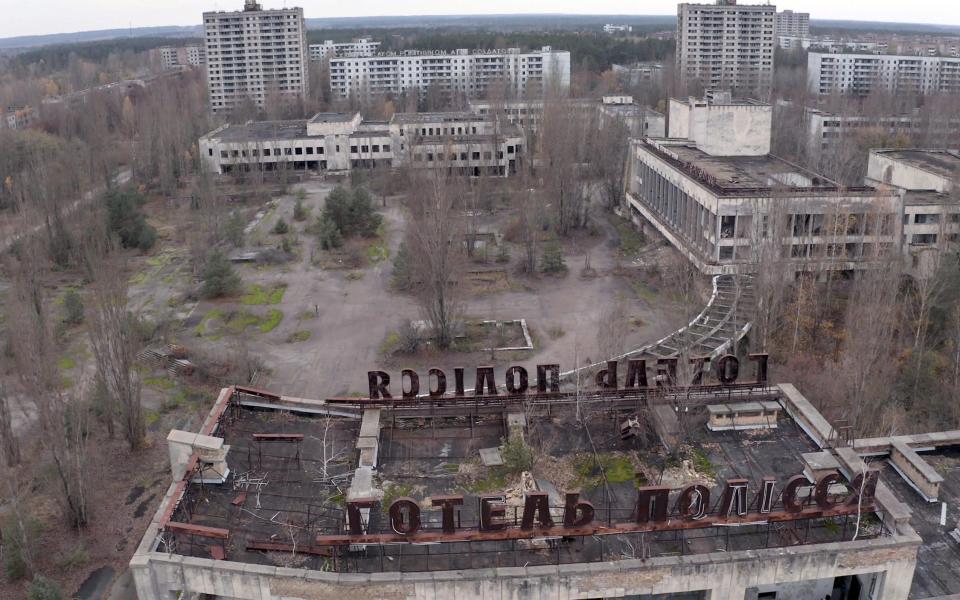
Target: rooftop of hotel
291,470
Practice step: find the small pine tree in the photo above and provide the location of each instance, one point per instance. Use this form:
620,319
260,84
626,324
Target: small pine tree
72,308
328,234
281,228
233,231
552,261
300,212
218,276
42,588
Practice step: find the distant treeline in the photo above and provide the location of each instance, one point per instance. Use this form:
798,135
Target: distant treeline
597,50
55,58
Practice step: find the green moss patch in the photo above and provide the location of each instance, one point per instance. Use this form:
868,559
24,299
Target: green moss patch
259,295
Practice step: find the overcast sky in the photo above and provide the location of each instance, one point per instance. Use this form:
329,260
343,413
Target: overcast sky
59,16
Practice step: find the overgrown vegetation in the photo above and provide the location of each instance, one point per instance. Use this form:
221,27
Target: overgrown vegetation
126,220
517,454
218,277
346,214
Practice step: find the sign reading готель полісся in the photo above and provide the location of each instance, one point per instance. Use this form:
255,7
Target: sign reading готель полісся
726,370
691,508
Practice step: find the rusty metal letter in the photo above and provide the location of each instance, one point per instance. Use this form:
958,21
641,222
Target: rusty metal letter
652,504
485,376
441,379
577,513
698,363
734,499
411,524
542,378
869,488
354,518
512,374
447,503
821,493
492,507
379,384
693,503
458,380
636,373
728,369
414,379
761,360
607,378
791,503
765,501
670,371
536,504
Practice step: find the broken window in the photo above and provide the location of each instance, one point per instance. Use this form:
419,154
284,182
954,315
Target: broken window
726,252
727,224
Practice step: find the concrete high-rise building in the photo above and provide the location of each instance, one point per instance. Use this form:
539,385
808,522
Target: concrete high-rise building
861,74
791,23
255,54
726,46
522,74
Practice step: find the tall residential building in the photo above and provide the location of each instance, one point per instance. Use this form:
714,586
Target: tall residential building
726,46
523,74
255,54
861,74
792,23
356,48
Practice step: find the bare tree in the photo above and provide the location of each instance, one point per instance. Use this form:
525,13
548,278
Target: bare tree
435,239
115,343
35,354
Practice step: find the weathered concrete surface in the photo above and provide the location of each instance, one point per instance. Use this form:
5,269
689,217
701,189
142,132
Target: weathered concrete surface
725,575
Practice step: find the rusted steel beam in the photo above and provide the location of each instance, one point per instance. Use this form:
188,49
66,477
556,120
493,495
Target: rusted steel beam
245,389
175,499
267,546
473,535
199,530
278,437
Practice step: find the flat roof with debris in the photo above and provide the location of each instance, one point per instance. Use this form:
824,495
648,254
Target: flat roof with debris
293,464
739,175
938,560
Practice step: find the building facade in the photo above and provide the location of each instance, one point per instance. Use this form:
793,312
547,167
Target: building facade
861,74
726,46
791,23
467,143
254,55
359,48
826,131
927,181
716,194
470,74
18,117
186,56
527,114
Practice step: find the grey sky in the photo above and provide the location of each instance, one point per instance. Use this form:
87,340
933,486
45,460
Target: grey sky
59,16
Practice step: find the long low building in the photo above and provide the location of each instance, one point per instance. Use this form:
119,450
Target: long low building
464,72
468,143
861,74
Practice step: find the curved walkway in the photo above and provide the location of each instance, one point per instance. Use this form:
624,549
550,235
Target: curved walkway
725,319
